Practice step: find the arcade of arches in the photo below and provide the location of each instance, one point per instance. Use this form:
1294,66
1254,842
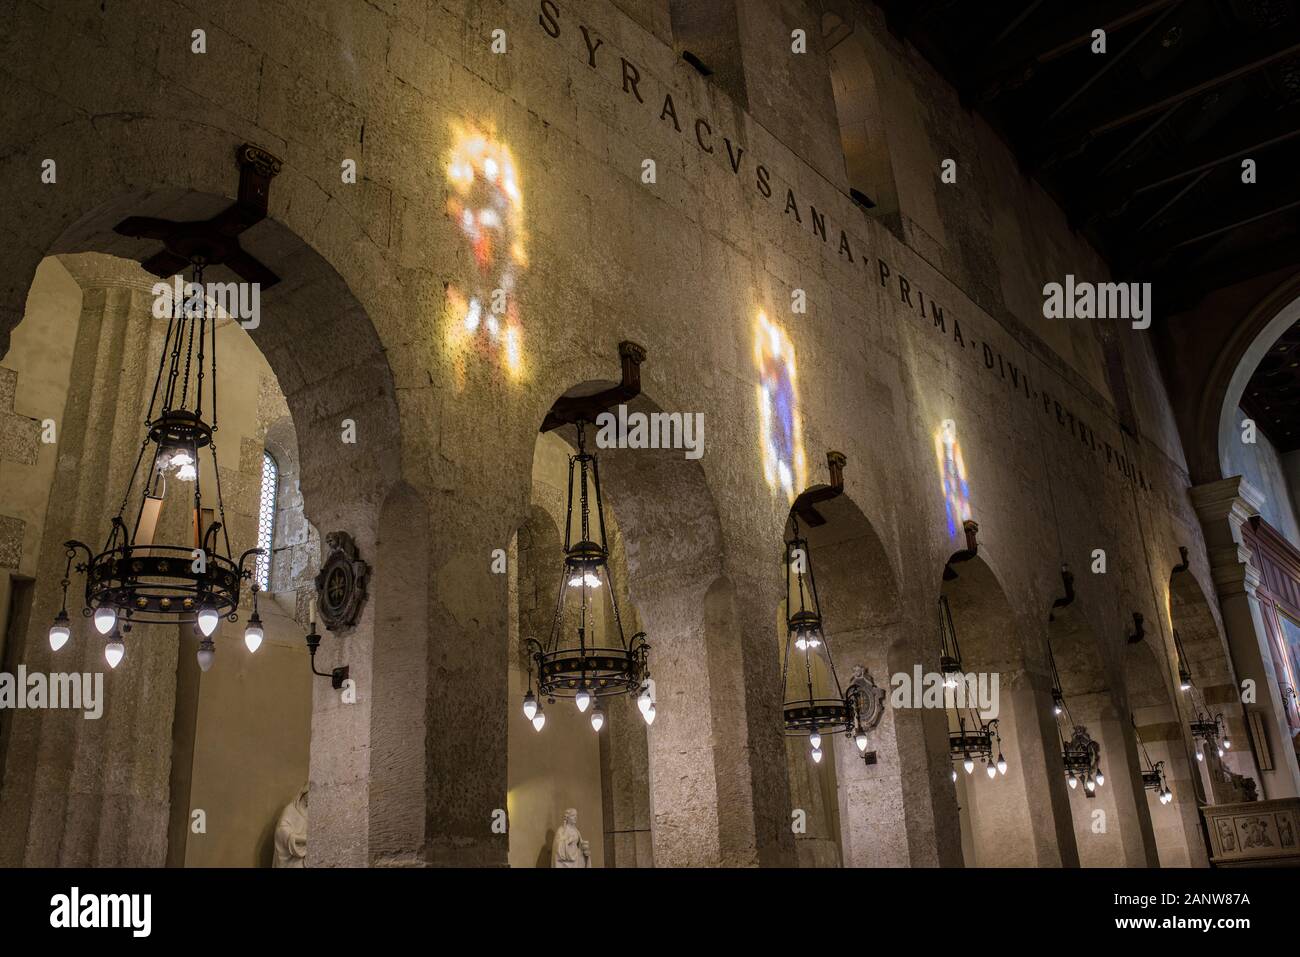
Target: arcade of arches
461,240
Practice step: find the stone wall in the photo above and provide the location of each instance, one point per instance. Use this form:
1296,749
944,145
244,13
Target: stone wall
932,318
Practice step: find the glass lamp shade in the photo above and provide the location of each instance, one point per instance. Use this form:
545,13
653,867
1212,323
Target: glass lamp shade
105,619
113,653
583,700
954,775
597,717
207,651
817,755
254,634
992,771
860,739
59,632
530,706
969,765
1101,778
815,739
1200,755
644,701
1002,764
1227,745
649,714
1074,782
208,619
539,719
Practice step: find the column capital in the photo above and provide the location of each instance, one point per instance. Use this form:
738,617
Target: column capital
1232,498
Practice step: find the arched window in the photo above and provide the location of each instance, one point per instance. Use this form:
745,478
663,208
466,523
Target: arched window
266,520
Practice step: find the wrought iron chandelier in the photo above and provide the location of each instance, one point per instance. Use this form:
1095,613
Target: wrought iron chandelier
1080,754
1208,731
815,702
133,579
1153,775
569,664
980,740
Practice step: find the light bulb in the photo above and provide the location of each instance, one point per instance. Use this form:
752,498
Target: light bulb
539,719
1227,745
105,619
1200,755
968,764
113,652
207,651
649,714
950,681
1101,778
801,643
860,739
58,635
208,619
817,755
597,717
992,770
1091,785
1002,764
1185,685
186,473
1074,782
815,739
1056,710
954,775
583,700
1220,751
644,700
530,706
253,636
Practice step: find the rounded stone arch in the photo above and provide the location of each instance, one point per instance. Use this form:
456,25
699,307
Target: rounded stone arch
717,793
860,808
315,333
1092,700
1159,737
1020,818
864,132
1213,688
1219,393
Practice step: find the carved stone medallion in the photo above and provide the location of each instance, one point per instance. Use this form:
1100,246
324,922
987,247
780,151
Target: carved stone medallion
341,583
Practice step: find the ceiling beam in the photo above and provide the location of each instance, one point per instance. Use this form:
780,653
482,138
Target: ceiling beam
1217,214
1233,62
1060,34
1220,146
1181,285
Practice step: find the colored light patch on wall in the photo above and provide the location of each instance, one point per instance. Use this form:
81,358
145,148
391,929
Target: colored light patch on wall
485,201
952,476
780,430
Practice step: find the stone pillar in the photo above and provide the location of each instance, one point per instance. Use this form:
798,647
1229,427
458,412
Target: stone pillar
81,792
1222,507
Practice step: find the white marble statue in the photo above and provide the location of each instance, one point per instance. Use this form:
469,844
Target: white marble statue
291,833
569,849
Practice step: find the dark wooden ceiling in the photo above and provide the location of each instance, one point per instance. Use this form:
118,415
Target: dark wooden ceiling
1143,145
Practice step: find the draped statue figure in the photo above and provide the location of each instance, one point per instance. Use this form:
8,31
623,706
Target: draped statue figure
569,849
291,833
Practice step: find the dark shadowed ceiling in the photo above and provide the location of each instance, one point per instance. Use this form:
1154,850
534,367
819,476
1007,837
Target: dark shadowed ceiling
1143,145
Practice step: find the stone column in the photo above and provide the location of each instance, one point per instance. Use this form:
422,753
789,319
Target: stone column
96,792
1222,507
